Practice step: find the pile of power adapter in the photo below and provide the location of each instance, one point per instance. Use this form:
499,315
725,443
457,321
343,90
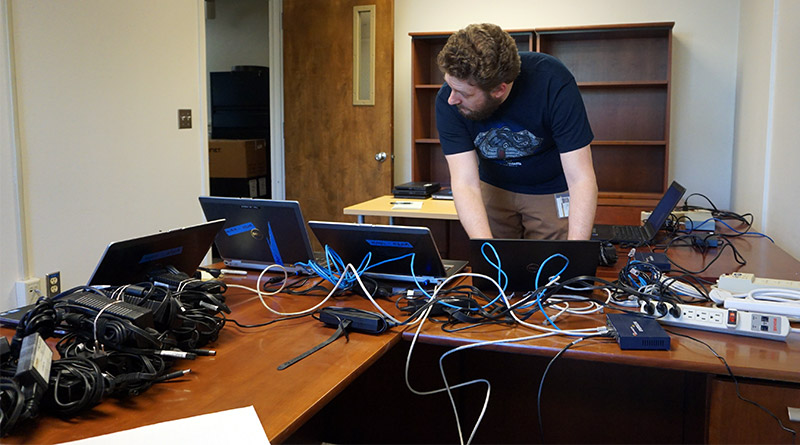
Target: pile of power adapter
114,342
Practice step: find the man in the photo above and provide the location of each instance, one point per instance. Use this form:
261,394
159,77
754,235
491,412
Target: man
515,134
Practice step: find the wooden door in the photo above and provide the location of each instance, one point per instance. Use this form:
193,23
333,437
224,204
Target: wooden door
330,144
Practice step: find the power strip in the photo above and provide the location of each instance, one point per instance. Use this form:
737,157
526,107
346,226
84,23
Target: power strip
790,309
742,283
728,321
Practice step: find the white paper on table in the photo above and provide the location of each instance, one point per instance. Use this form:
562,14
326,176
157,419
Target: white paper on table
239,425
400,205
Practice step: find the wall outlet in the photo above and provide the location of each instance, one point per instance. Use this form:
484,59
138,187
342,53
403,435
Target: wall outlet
53,283
28,291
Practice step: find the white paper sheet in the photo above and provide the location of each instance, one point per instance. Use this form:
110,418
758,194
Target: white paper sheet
239,425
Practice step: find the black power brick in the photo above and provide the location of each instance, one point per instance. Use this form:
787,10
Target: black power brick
360,320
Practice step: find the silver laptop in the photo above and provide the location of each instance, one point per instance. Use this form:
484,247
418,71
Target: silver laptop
129,261
260,232
391,249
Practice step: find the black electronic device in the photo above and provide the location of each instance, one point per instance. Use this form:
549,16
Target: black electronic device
522,259
139,316
360,320
659,260
637,332
129,261
646,232
390,250
415,189
260,232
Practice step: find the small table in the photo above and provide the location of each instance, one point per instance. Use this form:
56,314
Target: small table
382,206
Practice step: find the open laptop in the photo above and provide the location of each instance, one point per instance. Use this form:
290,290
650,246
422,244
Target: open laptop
521,259
128,261
352,242
645,233
260,232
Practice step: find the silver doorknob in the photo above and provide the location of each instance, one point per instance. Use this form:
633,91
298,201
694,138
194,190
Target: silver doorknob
380,157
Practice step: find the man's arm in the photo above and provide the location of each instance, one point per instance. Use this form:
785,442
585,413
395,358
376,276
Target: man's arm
466,186
582,184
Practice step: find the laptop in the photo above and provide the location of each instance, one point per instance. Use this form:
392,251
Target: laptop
129,261
352,242
260,232
645,233
521,259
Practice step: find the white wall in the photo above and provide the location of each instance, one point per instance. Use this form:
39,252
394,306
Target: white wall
703,70
753,96
238,34
99,84
11,248
782,211
766,156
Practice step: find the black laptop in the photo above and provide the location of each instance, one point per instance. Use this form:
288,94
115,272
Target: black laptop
260,232
521,260
353,242
645,233
129,261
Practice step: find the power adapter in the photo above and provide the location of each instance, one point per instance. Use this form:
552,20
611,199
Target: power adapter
360,320
659,260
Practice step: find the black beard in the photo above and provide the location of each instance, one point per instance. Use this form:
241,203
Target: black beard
491,106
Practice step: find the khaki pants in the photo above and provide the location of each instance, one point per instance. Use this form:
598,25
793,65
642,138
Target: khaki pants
518,215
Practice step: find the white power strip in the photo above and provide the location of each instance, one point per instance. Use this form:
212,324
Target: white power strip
729,321
742,283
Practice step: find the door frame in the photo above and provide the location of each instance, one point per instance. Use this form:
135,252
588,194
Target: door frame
278,170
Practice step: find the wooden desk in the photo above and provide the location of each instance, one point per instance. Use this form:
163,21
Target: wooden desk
244,372
611,209
354,391
382,206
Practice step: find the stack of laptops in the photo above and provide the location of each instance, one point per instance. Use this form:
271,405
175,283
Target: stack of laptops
260,232
642,234
353,242
522,259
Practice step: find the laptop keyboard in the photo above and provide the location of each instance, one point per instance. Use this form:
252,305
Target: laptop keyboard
627,232
319,258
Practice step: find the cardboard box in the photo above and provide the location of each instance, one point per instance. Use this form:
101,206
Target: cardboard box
240,187
235,158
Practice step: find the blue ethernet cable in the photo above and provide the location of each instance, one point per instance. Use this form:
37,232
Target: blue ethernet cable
273,246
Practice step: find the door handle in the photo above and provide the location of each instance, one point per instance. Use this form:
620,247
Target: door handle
380,157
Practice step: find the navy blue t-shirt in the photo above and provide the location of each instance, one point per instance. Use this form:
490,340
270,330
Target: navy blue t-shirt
519,144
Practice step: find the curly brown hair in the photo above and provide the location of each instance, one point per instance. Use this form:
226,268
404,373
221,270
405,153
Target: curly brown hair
482,54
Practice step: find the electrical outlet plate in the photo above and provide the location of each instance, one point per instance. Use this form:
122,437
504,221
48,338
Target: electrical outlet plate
28,291
52,283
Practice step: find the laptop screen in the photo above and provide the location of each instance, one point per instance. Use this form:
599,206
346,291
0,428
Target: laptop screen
522,259
127,262
354,242
259,231
664,207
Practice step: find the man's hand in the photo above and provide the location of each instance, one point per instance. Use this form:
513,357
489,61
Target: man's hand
582,185
466,186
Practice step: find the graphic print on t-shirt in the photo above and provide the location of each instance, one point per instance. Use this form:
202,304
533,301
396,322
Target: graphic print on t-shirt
506,146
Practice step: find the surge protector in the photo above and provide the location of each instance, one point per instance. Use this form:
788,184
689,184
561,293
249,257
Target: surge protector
729,321
742,283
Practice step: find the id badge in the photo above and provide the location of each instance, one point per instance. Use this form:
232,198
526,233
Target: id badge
562,204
